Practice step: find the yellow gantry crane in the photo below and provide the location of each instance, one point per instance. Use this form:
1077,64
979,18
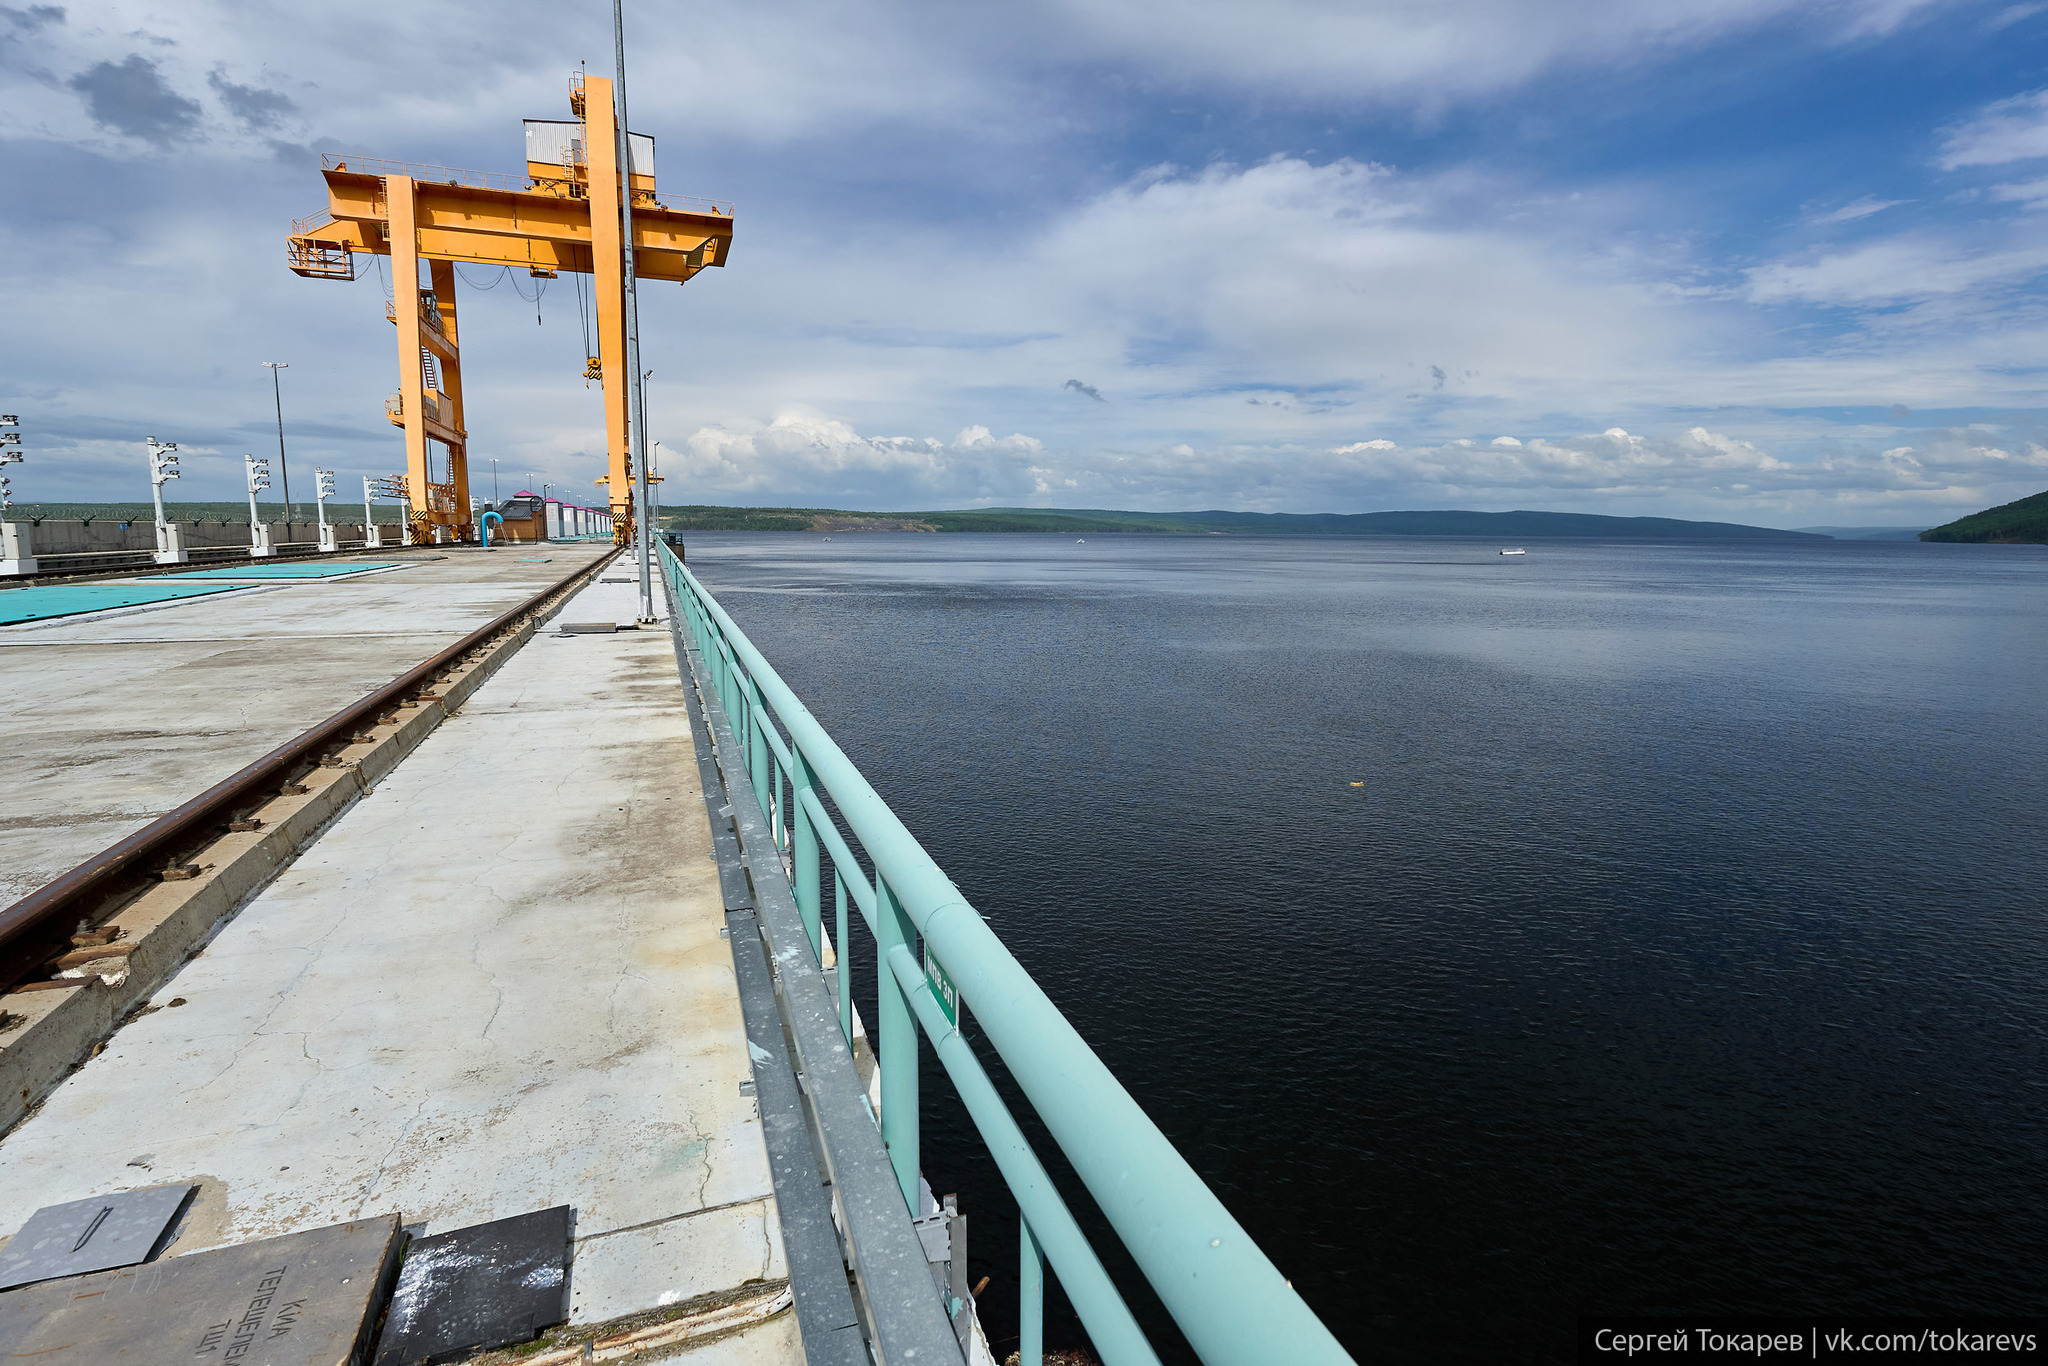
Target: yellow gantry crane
565,214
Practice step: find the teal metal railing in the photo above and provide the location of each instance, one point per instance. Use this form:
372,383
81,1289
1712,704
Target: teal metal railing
1229,1302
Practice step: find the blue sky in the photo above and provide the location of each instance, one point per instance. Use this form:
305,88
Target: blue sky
1740,259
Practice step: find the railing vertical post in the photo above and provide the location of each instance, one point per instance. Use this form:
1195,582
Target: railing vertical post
897,1053
845,968
804,862
1030,1296
759,764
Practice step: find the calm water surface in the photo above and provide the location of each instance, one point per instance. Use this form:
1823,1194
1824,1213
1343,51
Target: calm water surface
1623,927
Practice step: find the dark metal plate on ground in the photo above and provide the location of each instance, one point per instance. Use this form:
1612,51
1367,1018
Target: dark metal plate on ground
472,1289
305,1297
588,628
91,1235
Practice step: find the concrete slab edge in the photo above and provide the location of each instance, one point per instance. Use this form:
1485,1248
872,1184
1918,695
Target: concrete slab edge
171,922
825,1313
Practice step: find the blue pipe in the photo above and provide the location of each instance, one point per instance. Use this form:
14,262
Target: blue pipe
486,526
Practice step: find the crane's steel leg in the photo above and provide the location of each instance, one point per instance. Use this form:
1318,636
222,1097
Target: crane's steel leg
412,375
607,270
451,385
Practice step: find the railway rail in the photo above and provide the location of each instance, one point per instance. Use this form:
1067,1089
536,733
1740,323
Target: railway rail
37,931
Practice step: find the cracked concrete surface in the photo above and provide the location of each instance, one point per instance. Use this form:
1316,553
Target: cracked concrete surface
113,721
495,985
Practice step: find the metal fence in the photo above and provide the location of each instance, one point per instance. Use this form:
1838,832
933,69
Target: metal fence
227,514
1227,1299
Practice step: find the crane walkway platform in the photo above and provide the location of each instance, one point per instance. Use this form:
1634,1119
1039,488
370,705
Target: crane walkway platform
499,983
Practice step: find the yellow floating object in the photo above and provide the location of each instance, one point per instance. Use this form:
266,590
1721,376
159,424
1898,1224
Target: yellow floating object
1358,784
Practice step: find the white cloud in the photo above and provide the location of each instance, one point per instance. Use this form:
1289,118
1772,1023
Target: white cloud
768,75
1895,269
2003,131
2012,14
806,454
1427,50
1699,466
1861,208
1350,299
1696,471
2032,193
1342,273
383,83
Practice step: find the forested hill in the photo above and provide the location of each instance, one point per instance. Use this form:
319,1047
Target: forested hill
1496,525
2024,522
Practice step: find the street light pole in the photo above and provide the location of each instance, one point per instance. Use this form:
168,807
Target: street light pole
494,480
284,471
653,482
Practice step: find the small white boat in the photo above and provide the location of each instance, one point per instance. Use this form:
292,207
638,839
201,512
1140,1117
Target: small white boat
1514,552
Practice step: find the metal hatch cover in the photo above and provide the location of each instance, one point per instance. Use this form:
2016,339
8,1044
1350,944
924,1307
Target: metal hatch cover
303,1297
472,1289
95,1234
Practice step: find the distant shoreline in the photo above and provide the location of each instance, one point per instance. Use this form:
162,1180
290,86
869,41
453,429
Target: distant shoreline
1501,525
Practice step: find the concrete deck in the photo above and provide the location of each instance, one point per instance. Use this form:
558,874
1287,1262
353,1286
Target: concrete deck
497,984
113,719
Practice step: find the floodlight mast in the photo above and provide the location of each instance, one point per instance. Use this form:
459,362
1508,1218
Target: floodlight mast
277,393
259,479
323,489
163,467
10,454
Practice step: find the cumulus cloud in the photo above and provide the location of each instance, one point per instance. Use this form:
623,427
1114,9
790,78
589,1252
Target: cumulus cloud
1252,318
32,18
800,456
255,108
801,450
1959,465
132,97
1614,461
771,75
1357,271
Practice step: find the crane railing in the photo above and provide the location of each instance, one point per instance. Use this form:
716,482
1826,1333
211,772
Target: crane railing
1229,1302
493,180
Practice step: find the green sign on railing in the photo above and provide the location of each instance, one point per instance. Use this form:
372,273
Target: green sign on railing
942,987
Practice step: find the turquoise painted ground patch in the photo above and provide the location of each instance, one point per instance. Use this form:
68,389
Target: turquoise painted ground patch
68,600
318,569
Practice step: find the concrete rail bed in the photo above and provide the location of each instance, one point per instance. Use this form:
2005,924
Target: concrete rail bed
498,982
116,717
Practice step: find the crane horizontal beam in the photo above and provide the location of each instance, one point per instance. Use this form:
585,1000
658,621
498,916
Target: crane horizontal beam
518,228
